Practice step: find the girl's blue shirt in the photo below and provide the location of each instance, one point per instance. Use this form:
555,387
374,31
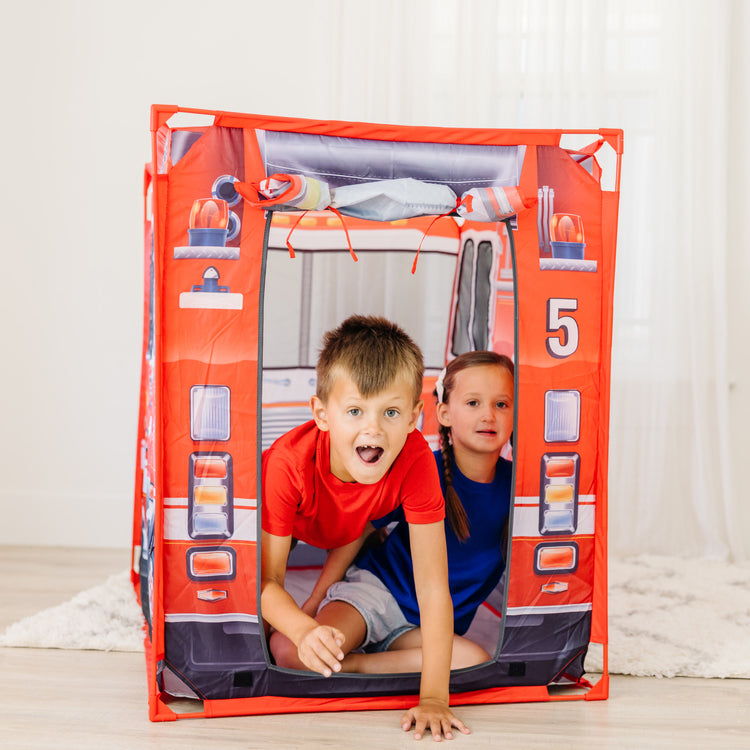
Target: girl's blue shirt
474,566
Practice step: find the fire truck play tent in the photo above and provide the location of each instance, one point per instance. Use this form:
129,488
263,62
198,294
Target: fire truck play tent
261,234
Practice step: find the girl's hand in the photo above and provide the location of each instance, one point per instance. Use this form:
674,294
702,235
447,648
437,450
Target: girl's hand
310,607
434,715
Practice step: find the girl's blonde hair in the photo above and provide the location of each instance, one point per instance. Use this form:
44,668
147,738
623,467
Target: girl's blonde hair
454,508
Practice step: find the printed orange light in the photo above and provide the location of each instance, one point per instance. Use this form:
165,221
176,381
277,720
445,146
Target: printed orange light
566,228
209,213
555,587
556,558
558,493
209,495
213,563
210,468
560,467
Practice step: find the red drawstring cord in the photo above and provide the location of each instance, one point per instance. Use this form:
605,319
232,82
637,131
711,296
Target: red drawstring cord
294,226
427,231
346,232
343,224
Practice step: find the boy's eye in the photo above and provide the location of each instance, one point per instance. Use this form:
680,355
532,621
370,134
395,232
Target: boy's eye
391,412
501,405
473,402
354,411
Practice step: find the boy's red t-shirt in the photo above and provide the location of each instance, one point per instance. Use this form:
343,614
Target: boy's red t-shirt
303,499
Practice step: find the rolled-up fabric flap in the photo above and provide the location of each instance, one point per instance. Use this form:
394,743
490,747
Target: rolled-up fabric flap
493,203
390,200
286,191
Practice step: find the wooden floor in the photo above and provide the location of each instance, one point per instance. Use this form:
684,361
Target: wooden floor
94,700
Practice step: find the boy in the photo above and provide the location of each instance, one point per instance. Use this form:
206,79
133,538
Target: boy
358,459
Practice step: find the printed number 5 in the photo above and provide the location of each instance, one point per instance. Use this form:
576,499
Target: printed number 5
564,324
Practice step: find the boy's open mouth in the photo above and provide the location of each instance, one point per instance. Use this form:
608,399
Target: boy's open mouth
369,454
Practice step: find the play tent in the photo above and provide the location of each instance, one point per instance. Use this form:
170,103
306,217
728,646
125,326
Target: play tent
262,233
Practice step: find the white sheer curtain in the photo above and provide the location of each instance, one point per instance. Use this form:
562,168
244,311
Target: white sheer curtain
659,69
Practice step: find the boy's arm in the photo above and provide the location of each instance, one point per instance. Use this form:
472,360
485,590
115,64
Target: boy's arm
318,646
430,562
336,564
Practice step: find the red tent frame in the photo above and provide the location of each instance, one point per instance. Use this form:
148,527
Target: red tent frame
561,341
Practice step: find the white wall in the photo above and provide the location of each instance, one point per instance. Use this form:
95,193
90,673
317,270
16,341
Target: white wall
78,80
738,266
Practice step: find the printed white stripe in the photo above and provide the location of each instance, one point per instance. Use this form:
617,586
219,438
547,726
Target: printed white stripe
245,522
226,617
526,520
334,238
534,499
551,610
183,501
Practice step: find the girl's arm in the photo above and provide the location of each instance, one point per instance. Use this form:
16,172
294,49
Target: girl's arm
318,646
336,564
430,562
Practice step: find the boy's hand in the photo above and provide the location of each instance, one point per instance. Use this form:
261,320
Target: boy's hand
320,649
434,715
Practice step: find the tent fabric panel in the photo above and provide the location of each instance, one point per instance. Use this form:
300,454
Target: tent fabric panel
344,161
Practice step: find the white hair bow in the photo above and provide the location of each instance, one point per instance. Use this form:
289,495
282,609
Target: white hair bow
440,386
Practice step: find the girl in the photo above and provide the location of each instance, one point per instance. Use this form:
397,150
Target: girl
475,412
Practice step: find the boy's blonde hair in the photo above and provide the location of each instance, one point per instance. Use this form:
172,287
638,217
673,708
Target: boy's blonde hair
374,352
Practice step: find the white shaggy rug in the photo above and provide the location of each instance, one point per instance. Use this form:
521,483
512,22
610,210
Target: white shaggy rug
674,617
668,617
103,618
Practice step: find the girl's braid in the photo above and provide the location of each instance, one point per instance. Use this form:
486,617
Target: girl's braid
454,508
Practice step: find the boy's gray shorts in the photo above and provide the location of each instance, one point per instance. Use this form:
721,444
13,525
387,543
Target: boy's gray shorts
365,592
